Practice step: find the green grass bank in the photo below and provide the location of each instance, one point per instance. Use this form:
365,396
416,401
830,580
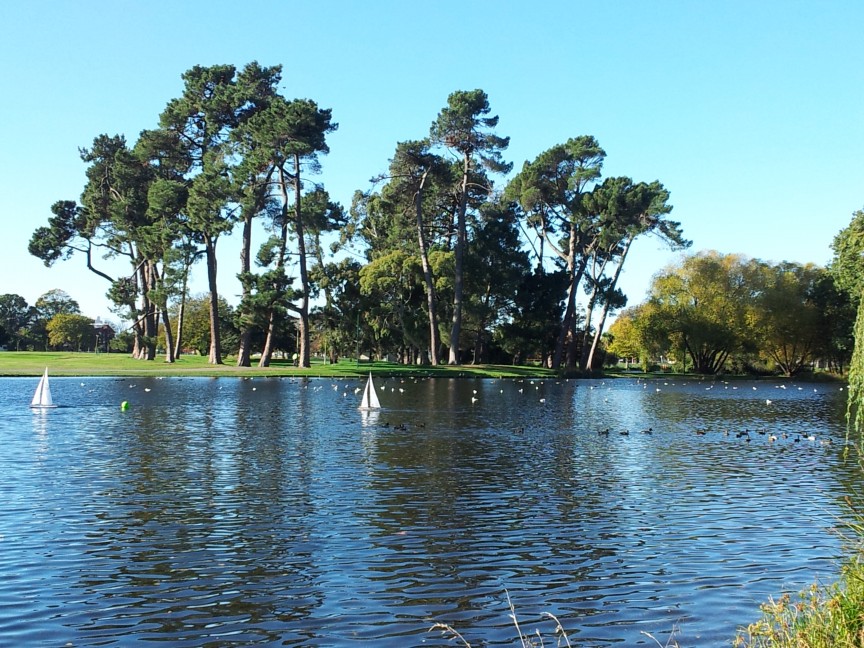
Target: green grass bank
27,363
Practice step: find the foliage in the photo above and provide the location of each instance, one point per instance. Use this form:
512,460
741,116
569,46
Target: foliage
531,330
829,616
16,317
528,273
820,617
72,331
123,342
626,339
847,269
589,228
855,392
197,327
699,306
56,302
784,318
847,266
464,128
495,268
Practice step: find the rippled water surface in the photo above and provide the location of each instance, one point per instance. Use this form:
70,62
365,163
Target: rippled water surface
228,512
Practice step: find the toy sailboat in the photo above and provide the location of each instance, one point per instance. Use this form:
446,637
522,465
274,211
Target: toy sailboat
370,396
42,397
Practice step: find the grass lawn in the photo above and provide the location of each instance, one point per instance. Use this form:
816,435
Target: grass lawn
33,363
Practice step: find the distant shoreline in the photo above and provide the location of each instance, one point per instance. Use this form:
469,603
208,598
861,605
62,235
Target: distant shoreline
120,365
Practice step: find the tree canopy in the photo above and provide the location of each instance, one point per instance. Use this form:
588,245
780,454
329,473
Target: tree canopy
442,255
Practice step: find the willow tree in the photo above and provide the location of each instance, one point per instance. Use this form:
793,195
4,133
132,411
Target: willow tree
786,317
855,397
463,127
701,307
848,271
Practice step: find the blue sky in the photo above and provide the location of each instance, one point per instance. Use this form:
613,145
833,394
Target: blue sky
750,113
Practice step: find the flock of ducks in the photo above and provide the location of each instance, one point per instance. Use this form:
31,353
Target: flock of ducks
745,435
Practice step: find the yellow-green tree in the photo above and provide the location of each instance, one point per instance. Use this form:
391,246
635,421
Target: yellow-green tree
785,319
701,304
624,337
848,270
70,330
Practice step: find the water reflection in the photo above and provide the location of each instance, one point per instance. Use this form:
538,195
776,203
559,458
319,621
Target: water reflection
267,511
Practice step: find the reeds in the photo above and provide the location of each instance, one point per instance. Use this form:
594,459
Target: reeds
526,641
534,640
821,616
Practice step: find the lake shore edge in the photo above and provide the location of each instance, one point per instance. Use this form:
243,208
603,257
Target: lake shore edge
70,364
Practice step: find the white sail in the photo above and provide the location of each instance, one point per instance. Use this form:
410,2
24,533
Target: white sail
370,396
42,396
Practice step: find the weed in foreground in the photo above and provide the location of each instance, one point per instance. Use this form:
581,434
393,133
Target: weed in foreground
821,616
535,640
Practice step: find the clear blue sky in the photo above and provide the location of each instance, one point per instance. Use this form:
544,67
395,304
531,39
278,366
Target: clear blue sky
750,113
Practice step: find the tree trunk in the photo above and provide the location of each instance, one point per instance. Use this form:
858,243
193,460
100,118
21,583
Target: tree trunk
145,347
461,243
162,311
169,338
299,230
564,333
428,279
267,351
178,342
586,330
244,353
215,356
605,310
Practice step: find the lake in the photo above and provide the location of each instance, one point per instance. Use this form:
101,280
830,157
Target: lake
232,512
